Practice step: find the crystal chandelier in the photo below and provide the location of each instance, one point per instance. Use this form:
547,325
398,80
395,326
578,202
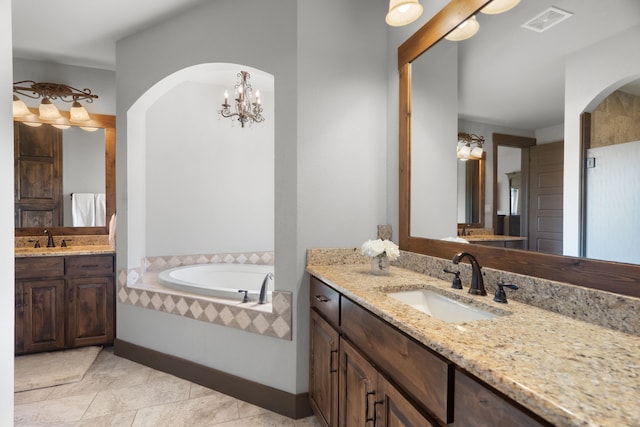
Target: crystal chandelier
246,109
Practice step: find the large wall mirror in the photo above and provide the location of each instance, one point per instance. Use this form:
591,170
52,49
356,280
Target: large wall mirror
491,85
58,169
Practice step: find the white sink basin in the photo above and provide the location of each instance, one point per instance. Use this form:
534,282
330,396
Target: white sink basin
441,307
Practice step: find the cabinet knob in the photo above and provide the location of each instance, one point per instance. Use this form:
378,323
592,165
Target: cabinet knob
322,298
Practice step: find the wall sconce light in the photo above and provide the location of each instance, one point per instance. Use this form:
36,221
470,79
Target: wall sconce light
48,91
247,110
403,12
464,31
470,146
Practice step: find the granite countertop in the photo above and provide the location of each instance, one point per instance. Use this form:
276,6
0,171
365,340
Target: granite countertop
569,372
60,251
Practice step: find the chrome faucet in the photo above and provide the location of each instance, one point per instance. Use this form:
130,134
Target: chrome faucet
50,243
477,283
263,290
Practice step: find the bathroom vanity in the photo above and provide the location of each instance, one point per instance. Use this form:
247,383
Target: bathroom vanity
64,298
375,358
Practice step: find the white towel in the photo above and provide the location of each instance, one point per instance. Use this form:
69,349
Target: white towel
101,210
112,231
83,209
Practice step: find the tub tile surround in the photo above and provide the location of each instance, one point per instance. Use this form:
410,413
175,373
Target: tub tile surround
139,287
567,370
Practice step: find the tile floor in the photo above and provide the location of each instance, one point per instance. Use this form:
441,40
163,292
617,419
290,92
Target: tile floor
119,392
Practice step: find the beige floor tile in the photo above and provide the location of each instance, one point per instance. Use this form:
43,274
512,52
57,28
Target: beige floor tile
138,396
118,392
307,422
199,391
267,419
52,412
32,395
122,419
202,411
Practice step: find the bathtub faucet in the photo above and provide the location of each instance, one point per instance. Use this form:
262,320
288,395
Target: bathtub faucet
263,290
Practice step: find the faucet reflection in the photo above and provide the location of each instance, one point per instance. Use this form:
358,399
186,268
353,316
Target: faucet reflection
477,283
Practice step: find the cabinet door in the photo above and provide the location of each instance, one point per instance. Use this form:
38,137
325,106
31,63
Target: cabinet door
394,410
323,370
19,318
91,304
358,380
43,310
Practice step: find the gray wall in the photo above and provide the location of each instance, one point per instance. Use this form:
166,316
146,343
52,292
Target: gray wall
6,221
330,133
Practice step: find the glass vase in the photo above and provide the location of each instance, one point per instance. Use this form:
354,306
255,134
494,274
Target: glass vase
380,265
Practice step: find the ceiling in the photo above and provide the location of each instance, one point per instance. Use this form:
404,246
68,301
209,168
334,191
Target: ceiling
514,77
82,33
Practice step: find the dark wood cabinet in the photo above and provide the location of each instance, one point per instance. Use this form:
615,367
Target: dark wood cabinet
386,378
59,305
323,370
358,383
366,396
42,312
38,176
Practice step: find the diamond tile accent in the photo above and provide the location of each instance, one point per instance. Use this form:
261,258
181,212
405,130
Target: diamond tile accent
275,324
182,306
243,319
156,300
122,295
280,303
144,299
169,304
211,312
281,327
226,315
260,323
196,309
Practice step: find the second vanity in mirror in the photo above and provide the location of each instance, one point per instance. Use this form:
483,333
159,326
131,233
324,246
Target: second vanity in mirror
52,166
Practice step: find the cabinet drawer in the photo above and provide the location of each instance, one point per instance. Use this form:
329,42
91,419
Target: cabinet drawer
326,300
89,265
39,267
425,376
476,402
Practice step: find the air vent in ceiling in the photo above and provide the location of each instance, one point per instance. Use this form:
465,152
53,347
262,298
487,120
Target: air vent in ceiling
546,19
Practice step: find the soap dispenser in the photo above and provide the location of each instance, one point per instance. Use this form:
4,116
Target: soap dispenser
456,283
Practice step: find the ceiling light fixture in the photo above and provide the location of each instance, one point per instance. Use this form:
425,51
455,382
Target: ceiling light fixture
499,6
470,146
403,12
48,91
464,31
247,110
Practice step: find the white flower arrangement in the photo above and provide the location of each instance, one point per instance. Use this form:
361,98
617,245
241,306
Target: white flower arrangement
379,247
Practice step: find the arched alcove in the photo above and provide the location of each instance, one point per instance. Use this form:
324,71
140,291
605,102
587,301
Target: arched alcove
197,182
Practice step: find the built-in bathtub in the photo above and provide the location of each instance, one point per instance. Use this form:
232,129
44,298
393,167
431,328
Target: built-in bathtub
220,280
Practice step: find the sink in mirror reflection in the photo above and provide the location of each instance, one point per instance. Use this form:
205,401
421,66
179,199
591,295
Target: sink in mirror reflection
441,307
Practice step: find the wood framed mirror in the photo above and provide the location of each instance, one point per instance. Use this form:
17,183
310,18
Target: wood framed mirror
106,125
610,276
